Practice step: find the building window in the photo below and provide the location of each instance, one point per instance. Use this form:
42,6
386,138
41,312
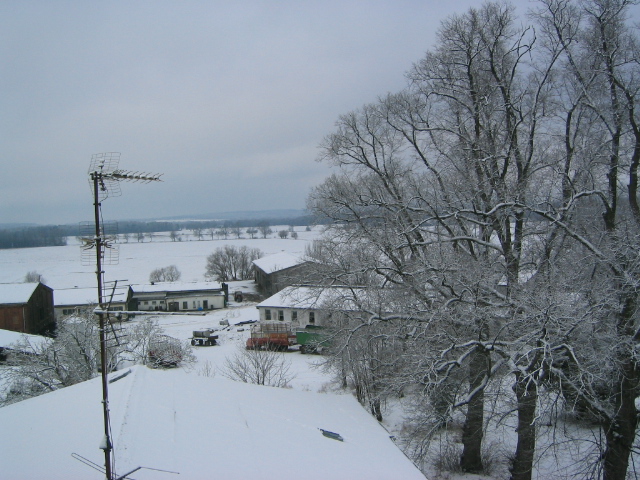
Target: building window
312,317
294,316
281,315
153,303
184,306
267,314
146,303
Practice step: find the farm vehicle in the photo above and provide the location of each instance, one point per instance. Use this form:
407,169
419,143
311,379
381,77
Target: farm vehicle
165,352
271,336
312,339
203,338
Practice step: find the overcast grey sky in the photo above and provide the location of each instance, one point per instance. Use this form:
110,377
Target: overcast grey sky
229,99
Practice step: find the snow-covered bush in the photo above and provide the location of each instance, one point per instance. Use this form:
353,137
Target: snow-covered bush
261,367
168,352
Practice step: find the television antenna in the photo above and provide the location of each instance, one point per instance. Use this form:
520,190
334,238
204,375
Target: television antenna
104,180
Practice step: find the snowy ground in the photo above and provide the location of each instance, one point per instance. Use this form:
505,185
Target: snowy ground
62,267
197,423
305,369
34,432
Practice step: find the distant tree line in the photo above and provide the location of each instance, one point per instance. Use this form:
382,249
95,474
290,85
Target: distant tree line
47,236
52,236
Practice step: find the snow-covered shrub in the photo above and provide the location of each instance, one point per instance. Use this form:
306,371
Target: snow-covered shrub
167,352
261,367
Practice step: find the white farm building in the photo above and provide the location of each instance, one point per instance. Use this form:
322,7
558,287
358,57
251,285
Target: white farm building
307,305
178,297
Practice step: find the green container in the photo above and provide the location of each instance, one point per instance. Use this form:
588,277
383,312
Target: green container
312,339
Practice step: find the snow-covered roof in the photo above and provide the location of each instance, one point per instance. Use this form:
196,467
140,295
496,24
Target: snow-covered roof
200,427
85,296
21,341
16,293
313,297
175,287
278,261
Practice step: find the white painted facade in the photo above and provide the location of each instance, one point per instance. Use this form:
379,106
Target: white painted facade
178,297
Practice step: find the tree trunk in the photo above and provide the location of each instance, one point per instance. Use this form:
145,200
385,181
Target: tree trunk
376,408
620,431
526,396
472,432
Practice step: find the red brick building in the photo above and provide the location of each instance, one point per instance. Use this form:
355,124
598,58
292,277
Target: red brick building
26,308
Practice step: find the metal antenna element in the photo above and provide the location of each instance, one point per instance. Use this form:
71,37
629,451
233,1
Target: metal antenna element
105,178
109,233
104,166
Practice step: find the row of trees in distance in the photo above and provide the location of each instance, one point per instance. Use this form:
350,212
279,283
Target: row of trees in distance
47,236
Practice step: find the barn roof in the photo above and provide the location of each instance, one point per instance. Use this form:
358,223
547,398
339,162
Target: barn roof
16,293
278,261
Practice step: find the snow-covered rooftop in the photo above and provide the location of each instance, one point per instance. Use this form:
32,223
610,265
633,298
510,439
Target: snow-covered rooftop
21,341
313,297
201,427
16,293
277,261
85,296
175,287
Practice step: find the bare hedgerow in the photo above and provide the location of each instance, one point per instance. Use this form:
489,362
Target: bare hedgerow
261,367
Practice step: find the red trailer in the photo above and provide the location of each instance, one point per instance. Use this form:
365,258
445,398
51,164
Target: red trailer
271,336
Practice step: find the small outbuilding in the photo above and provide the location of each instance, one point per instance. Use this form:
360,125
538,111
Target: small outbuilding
274,272
27,308
177,297
70,301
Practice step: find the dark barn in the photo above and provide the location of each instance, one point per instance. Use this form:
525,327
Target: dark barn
26,308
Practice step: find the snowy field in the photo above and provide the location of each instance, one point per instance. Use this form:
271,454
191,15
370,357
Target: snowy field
62,267
79,405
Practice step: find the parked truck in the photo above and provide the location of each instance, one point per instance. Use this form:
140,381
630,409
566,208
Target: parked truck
271,336
203,338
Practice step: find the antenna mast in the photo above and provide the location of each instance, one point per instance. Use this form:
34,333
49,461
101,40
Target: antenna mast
104,178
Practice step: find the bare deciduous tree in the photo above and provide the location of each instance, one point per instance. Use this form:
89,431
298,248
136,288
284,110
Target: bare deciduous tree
264,229
165,274
469,190
33,277
198,233
231,263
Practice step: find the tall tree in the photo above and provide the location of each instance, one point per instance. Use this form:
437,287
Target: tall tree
599,213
